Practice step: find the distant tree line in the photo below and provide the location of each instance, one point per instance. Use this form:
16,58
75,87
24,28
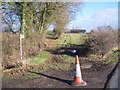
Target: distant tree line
77,31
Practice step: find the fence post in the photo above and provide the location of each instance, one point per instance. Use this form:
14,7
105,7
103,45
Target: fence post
21,37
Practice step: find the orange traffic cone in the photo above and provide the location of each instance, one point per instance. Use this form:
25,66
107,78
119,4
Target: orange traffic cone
78,81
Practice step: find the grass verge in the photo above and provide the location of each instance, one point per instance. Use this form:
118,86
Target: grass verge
40,59
113,57
65,65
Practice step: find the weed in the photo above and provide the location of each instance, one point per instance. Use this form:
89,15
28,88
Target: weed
113,57
30,75
66,65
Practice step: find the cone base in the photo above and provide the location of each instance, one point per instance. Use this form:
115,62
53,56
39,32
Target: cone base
79,84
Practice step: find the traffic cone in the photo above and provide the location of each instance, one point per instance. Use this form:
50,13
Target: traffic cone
78,81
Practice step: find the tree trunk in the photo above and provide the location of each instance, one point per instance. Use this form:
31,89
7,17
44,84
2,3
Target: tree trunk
43,20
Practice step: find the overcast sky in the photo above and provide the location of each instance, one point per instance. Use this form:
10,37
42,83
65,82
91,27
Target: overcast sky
94,14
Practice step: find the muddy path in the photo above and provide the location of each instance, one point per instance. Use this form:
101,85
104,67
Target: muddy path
94,73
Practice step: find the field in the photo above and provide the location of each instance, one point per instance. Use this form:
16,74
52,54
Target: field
71,39
55,66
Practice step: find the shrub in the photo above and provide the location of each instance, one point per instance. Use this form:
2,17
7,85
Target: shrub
10,48
32,45
102,41
57,33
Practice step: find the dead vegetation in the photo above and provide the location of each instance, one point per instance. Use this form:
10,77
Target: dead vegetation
32,45
103,41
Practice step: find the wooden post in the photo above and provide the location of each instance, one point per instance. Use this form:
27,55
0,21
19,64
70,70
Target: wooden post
21,36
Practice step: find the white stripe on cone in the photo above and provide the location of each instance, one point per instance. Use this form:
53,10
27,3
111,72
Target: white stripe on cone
78,71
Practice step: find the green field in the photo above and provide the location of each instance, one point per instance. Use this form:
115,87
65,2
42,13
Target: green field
70,38
41,58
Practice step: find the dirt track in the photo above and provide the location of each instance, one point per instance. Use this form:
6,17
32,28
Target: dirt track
95,76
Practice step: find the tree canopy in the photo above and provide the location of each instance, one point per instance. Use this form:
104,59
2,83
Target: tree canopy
37,16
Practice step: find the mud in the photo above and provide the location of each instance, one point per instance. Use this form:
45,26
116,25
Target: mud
95,75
